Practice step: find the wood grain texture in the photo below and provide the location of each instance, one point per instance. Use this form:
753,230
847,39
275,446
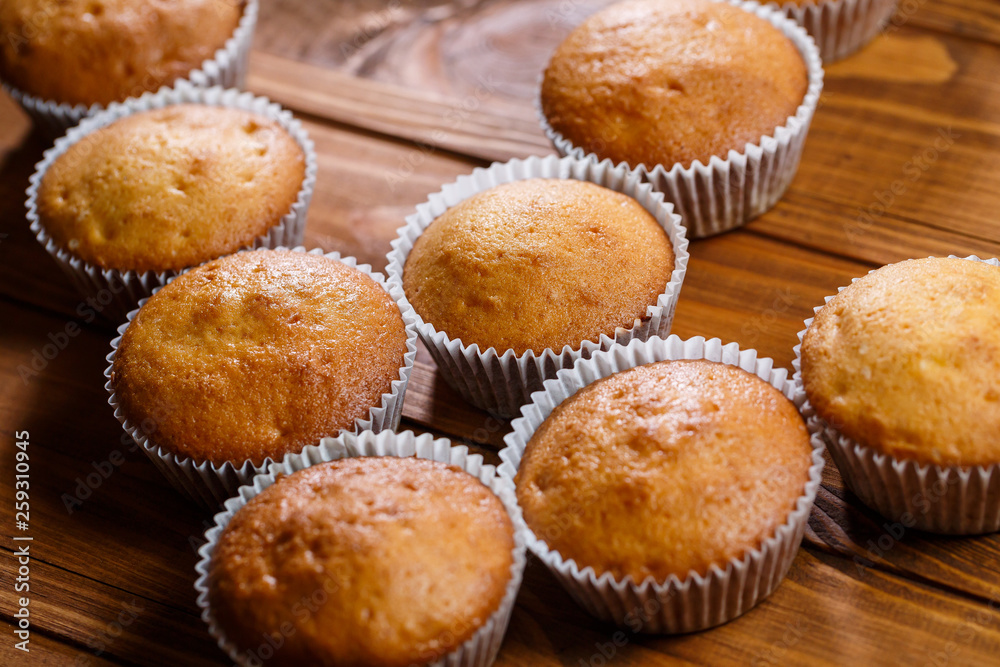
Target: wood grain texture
401,98
971,19
44,651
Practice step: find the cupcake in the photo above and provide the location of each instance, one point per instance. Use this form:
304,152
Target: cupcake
840,27
148,189
64,60
709,101
249,357
903,369
667,483
525,267
371,557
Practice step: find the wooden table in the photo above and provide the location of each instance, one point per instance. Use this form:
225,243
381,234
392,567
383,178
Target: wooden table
903,160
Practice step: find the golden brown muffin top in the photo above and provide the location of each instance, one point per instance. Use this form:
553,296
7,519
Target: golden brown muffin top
102,51
668,81
907,361
168,189
664,468
412,557
258,354
539,263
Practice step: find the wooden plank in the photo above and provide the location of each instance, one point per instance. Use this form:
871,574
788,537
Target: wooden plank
107,622
971,19
864,142
445,87
545,624
842,227
756,291
432,404
875,154
921,149
431,46
813,618
396,41
841,525
743,287
825,613
46,651
462,125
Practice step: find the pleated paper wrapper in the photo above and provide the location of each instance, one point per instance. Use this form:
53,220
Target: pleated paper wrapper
210,484
500,382
227,68
839,27
733,189
481,649
953,500
117,292
679,604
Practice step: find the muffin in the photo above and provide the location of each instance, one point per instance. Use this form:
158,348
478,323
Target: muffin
537,264
664,469
902,368
373,561
667,483
255,355
840,27
907,361
685,91
82,52
672,81
170,188
518,270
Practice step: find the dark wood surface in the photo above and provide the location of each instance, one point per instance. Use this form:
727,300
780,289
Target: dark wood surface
403,97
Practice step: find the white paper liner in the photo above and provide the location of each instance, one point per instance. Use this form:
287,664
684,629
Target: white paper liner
952,500
727,193
227,68
117,291
501,383
839,27
676,605
479,650
209,484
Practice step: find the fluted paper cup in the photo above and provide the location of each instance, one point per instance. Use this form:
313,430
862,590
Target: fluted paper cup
227,68
210,484
839,27
733,189
679,604
501,381
116,292
953,500
481,649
